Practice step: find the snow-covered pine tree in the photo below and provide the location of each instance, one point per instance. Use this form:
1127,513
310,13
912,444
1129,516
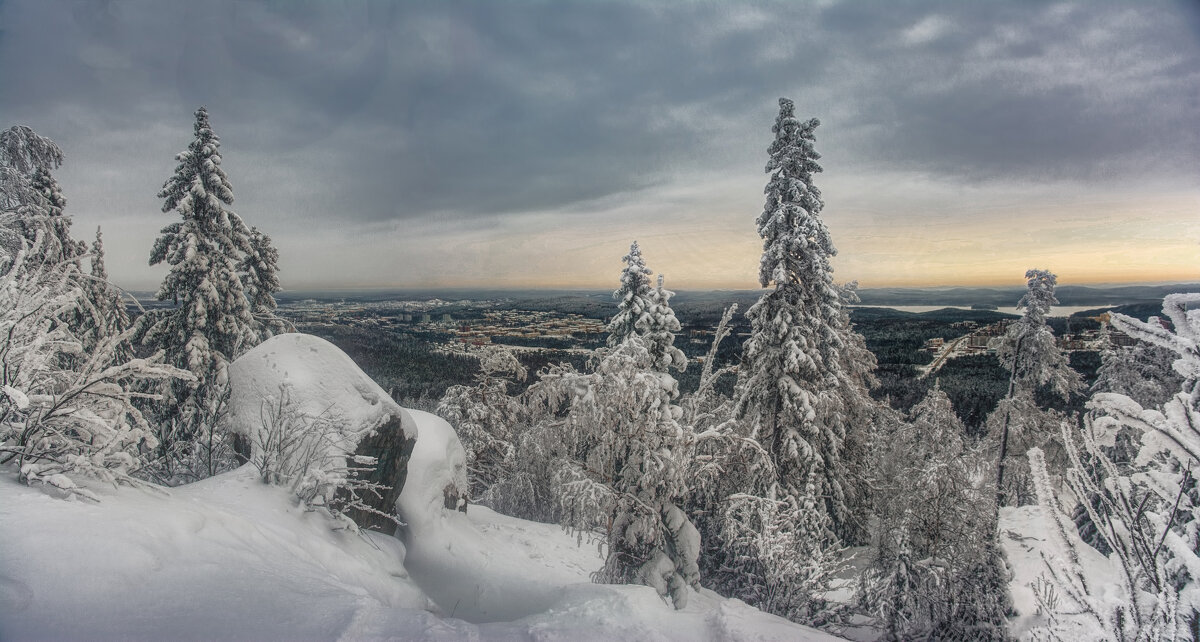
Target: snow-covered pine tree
108,317
212,322
28,189
633,298
485,418
259,269
1035,362
659,327
615,447
802,384
22,152
57,244
1029,350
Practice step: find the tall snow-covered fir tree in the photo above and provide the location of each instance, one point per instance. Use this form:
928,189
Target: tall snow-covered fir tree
633,297
260,279
802,384
212,322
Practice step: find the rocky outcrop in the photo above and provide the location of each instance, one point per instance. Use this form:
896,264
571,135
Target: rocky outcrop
301,385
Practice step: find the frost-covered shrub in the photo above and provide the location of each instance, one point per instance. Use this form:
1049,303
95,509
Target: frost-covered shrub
606,446
314,457
65,412
776,557
1147,512
1141,372
486,418
935,532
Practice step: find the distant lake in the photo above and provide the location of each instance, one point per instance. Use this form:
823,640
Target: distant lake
1056,311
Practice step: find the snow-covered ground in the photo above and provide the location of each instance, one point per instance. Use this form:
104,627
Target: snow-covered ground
232,558
1030,539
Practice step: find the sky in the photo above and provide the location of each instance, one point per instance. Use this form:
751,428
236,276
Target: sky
526,144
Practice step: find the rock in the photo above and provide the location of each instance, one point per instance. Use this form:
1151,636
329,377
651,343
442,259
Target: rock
300,384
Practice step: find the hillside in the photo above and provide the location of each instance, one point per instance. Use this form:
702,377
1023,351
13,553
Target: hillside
233,558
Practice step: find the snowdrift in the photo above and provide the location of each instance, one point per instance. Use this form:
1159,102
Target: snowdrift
319,380
225,558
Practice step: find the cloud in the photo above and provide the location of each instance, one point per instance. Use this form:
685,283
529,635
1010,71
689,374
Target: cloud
459,115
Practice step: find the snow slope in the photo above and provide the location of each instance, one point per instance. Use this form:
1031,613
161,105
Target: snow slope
225,558
489,568
1030,538
232,558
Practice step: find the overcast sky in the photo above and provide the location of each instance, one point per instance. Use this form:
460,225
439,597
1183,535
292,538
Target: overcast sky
527,143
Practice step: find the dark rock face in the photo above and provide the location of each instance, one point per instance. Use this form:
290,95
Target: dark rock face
392,450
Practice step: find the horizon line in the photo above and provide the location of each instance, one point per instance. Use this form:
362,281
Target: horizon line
584,288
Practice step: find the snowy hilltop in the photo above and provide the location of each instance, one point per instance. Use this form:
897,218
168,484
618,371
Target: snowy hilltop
230,557
201,470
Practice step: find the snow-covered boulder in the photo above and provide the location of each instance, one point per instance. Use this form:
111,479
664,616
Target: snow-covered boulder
298,382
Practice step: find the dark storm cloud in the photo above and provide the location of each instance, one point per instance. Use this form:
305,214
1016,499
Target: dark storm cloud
371,111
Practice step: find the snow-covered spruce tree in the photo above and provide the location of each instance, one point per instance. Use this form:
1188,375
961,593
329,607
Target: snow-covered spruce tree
485,418
108,317
22,152
65,413
935,533
802,384
659,327
1148,511
633,298
259,269
57,244
212,322
29,190
616,448
753,547
1035,362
